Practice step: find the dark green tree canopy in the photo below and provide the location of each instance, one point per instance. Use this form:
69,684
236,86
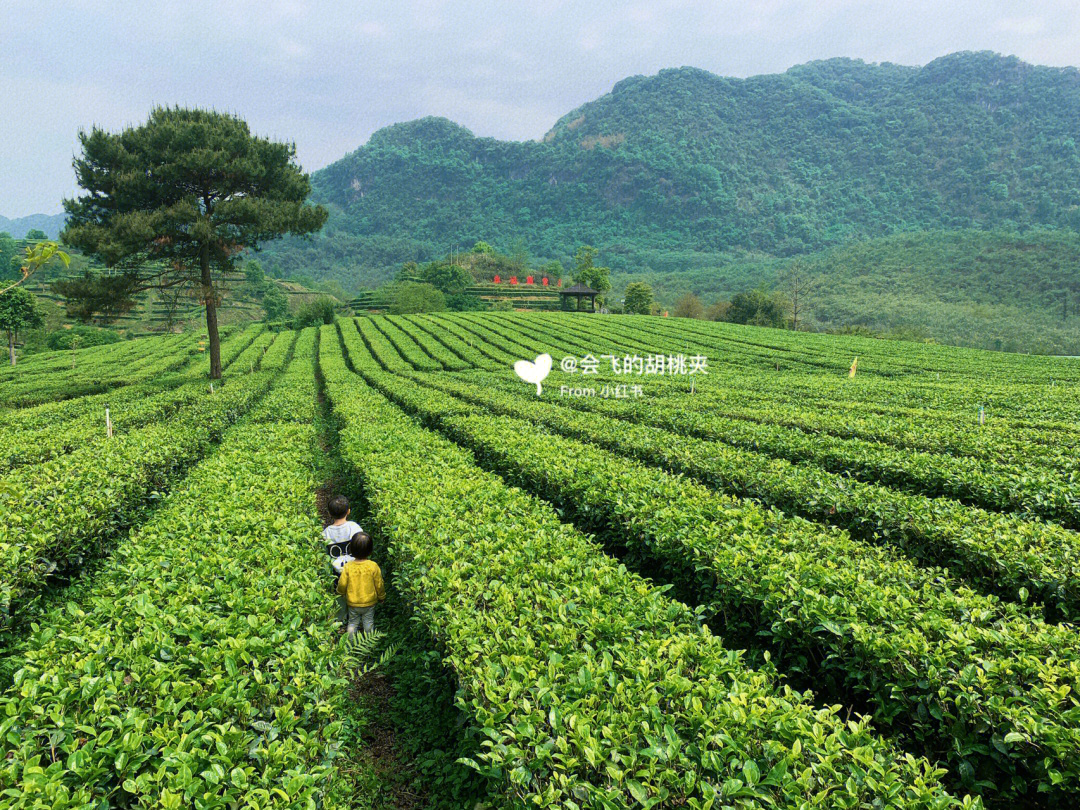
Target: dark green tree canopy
638,298
757,307
181,198
451,279
185,179
91,296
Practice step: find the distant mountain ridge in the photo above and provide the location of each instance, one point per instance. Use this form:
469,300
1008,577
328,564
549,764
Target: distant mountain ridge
51,224
699,182
688,161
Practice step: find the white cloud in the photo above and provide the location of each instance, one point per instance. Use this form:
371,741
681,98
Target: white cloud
372,28
1024,26
291,49
590,41
326,73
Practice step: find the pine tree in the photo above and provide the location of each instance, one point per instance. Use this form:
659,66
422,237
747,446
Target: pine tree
177,201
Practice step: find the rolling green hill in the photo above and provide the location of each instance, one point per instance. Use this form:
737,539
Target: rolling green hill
687,162
986,289
50,224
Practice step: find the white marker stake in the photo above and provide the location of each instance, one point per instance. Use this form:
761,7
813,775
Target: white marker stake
211,388
108,423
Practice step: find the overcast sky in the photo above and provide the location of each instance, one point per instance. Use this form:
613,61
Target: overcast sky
327,74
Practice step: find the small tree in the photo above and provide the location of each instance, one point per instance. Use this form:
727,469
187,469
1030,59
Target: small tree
757,307
275,303
171,299
76,344
9,257
519,256
411,297
451,279
588,273
18,310
638,298
717,311
254,276
182,196
688,306
798,286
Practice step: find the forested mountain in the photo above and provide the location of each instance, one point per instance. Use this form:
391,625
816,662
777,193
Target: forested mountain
683,167
988,289
50,224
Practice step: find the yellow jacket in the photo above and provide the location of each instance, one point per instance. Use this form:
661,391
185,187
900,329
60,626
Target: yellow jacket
361,583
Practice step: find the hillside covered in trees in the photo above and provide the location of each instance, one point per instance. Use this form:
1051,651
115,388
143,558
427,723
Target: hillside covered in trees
674,170
988,289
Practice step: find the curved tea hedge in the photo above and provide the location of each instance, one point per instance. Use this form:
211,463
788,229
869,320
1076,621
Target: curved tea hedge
998,553
185,673
592,688
934,660
63,512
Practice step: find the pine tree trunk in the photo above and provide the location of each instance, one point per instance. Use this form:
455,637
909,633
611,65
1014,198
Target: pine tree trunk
211,313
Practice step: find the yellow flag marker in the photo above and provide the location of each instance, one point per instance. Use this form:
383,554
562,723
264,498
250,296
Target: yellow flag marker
854,367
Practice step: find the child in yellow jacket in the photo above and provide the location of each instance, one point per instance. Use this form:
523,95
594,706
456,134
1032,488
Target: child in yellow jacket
361,584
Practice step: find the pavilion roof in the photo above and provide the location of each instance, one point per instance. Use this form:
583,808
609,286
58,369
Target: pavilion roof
578,289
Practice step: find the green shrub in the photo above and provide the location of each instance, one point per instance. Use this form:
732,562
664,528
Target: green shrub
412,296
313,313
87,336
274,302
463,303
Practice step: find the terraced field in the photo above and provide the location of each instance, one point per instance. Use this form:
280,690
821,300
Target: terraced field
717,572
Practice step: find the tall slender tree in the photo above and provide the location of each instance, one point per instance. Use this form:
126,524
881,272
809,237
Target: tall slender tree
798,284
178,200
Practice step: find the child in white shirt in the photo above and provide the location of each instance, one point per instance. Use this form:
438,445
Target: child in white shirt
337,536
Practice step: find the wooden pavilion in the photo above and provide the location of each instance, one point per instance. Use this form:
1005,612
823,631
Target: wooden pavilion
579,291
